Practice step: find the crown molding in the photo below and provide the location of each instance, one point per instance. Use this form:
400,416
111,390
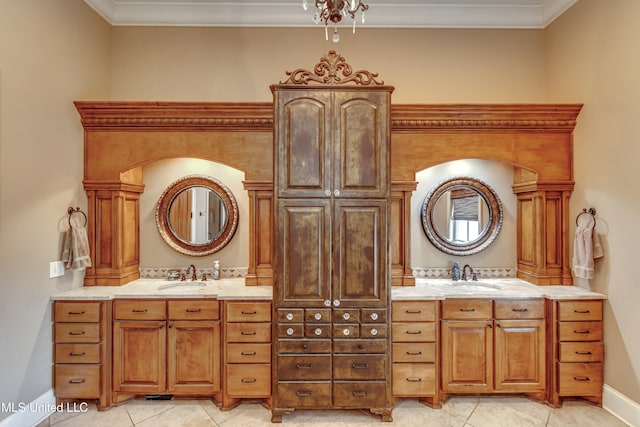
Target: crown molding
289,13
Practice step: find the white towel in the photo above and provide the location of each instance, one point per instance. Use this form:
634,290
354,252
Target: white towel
75,252
586,247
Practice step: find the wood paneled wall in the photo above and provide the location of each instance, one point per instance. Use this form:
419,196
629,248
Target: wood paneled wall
122,136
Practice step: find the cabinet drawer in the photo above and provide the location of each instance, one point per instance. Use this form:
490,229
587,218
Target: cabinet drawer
194,310
414,379
361,394
519,309
317,315
290,315
581,351
76,312
249,380
304,395
580,310
580,331
346,331
248,353
248,332
373,315
580,379
139,310
77,381
77,353
77,332
304,367
414,311
359,346
248,312
346,315
413,332
414,352
317,330
293,330
350,367
462,309
373,331
304,346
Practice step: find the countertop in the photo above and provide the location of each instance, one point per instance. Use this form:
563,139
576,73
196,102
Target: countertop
235,289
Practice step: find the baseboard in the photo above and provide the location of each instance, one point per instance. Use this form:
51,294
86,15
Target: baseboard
621,406
29,413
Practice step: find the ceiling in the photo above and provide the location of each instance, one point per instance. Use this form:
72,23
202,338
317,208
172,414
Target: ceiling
289,13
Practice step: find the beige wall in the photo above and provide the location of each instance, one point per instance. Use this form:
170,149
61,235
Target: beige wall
50,54
592,57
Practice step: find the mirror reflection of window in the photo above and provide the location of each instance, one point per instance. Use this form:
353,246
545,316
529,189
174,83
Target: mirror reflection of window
465,212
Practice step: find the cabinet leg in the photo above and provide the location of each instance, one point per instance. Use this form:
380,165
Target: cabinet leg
276,414
432,402
385,413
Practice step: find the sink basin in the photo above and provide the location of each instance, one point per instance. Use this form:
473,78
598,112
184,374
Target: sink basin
182,287
475,286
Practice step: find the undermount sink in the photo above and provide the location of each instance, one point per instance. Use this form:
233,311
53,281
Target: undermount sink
475,286
182,286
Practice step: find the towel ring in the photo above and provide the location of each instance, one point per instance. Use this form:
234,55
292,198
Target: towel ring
590,211
72,211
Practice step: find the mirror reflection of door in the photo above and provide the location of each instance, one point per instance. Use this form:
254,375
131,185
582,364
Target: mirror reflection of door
197,215
180,215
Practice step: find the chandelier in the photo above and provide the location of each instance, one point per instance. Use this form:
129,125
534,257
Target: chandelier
333,11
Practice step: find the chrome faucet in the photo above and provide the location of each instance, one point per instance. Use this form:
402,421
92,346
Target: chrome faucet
193,274
464,273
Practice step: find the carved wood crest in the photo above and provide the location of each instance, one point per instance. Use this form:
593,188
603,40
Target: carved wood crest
332,70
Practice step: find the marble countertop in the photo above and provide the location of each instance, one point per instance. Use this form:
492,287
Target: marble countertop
235,289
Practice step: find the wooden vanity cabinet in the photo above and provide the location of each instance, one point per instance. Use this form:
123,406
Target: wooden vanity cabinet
247,352
81,351
493,346
577,350
165,347
415,350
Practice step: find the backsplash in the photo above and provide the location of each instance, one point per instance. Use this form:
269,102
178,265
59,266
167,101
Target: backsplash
163,272
481,272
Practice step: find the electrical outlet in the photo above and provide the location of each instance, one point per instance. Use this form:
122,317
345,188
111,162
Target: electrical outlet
56,269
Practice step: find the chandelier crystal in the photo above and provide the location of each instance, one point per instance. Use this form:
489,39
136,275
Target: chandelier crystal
332,11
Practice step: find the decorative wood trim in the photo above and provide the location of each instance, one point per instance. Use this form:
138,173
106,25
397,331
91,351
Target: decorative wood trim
260,271
401,272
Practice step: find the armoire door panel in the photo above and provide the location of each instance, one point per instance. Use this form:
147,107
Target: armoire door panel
360,230
304,233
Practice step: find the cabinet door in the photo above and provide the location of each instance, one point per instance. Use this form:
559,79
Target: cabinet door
361,144
467,356
194,357
139,357
303,263
303,143
360,262
519,355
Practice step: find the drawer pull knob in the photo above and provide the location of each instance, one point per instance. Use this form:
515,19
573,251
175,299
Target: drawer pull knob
359,393
582,311
414,353
193,310
374,332
414,332
309,366
248,333
304,393
317,316
253,353
360,366
520,310
346,316
318,331
289,316
248,381
586,331
581,378
249,312
414,311
139,311
290,331
468,309
72,354
374,316
305,346
75,312
414,380
78,381
583,352
76,333
346,332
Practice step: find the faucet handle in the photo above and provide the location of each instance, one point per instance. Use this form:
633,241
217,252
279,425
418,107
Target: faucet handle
204,277
183,277
474,277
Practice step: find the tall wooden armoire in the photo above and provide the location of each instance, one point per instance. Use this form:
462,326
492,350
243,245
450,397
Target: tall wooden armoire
332,268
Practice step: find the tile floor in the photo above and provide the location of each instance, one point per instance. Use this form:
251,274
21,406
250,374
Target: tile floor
456,412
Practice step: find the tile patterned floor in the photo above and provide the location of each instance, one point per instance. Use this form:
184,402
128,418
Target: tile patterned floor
456,412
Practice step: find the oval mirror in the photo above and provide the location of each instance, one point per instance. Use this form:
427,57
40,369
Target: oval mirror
197,215
461,215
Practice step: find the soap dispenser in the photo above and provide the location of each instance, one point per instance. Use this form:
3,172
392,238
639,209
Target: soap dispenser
455,272
216,270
